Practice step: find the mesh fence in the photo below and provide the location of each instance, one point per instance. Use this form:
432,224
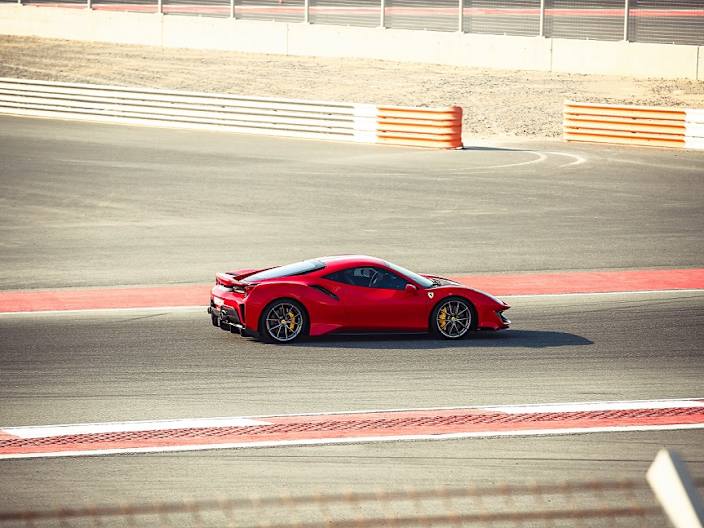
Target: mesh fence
667,21
142,6
584,19
625,504
276,10
437,15
219,8
365,13
659,21
498,17
66,3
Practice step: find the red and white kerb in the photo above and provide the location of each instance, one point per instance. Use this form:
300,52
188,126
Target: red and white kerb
348,428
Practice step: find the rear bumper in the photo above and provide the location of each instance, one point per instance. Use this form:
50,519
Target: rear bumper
228,318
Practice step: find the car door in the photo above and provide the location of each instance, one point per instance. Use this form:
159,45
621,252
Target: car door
393,306
375,299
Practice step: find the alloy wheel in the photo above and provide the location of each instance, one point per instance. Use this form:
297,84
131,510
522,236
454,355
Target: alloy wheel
284,322
454,318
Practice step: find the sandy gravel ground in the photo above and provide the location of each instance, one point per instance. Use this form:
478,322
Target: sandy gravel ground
496,102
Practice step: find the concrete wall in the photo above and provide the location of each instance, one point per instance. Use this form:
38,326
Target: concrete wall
80,24
637,59
488,51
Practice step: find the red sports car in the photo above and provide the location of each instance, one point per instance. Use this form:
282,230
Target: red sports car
348,294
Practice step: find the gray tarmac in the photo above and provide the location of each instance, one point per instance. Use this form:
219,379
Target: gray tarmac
98,205
138,366
143,365
85,204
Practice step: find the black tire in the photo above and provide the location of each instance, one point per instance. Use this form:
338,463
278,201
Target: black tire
275,323
465,318
214,320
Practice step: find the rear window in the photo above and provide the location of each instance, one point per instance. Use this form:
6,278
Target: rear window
298,268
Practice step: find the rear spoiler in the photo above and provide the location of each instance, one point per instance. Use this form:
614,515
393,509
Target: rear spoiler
242,273
225,279
234,278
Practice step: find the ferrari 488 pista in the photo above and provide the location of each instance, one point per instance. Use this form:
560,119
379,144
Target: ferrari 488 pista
348,294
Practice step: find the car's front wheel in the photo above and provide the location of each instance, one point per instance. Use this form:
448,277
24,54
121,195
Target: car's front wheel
283,321
452,318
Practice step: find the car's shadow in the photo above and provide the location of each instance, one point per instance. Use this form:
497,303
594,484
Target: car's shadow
504,339
492,149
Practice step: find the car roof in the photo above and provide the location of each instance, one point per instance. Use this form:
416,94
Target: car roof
343,261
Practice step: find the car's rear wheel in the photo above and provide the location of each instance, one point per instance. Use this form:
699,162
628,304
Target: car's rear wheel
283,321
452,318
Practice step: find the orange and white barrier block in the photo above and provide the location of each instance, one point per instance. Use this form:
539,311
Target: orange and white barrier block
634,125
413,126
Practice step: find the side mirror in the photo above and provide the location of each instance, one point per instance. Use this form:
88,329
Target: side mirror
411,288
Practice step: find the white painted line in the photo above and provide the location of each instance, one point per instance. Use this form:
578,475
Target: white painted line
518,408
578,160
359,440
148,309
44,431
596,406
626,405
540,157
597,294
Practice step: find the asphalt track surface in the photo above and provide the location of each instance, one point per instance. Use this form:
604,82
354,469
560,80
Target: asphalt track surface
104,367
98,205
105,205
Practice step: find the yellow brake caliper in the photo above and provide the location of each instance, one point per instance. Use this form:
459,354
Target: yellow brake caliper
442,318
291,321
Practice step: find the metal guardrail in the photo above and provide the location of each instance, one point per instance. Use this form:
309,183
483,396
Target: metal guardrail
424,127
634,125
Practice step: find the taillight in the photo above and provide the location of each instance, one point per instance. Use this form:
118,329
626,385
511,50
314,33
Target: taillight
243,289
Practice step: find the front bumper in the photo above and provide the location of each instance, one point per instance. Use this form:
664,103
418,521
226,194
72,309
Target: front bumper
494,320
504,320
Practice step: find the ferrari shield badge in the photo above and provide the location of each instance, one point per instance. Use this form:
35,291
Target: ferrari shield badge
431,294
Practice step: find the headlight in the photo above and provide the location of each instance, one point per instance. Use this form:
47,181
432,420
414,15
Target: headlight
496,299
493,298
218,301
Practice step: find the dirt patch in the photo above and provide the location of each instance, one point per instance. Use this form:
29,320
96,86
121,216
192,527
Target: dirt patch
496,102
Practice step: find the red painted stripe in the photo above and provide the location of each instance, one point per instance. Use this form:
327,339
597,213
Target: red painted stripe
587,281
356,426
99,298
397,11
513,284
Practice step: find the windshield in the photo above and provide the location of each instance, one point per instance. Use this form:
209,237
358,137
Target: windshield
298,268
422,281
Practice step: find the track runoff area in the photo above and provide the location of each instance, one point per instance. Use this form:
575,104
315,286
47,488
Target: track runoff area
364,426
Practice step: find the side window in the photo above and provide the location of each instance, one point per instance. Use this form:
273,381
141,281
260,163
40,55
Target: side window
368,277
354,276
387,280
338,276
